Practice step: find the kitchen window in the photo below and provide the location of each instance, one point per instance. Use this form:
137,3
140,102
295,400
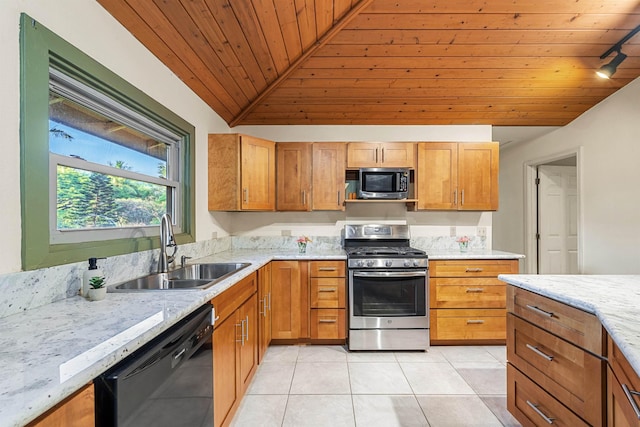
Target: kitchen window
101,161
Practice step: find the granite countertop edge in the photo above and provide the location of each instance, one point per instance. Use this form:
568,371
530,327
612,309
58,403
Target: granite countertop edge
613,299
65,331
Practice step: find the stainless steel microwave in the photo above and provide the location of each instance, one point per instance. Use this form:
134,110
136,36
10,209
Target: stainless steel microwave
383,183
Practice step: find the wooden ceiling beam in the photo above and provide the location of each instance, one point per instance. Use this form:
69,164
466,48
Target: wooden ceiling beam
343,22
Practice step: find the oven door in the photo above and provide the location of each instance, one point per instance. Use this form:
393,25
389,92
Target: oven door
388,299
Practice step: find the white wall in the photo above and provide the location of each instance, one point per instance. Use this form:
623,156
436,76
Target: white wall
608,136
87,26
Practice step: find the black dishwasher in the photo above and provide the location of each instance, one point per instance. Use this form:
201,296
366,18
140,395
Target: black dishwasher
167,382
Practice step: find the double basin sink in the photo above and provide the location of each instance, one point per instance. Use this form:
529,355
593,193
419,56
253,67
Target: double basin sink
195,276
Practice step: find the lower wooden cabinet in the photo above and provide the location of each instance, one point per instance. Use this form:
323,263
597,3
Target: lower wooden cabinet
556,365
623,388
308,300
468,302
75,411
235,347
264,310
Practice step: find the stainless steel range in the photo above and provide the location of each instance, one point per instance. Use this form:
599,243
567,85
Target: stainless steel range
388,289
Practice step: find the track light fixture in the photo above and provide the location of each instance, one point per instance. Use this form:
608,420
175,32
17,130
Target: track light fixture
608,70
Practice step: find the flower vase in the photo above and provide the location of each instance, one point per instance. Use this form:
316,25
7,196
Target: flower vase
464,246
302,247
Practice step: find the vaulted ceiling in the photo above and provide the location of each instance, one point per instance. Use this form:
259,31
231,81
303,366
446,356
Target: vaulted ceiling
497,62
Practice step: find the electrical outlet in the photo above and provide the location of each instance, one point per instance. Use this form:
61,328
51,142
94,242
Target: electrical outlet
452,231
214,234
482,231
285,233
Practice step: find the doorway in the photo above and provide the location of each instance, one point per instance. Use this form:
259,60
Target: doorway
557,234
553,214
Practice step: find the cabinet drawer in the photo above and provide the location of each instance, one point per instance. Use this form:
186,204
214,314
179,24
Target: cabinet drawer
468,293
326,269
328,292
567,372
468,324
327,323
228,301
576,326
472,268
533,406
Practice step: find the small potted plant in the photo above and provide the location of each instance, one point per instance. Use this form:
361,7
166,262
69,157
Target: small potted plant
97,288
302,244
463,242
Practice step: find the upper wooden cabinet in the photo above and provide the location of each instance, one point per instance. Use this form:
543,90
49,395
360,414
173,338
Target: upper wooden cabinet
458,176
328,176
293,176
242,173
381,154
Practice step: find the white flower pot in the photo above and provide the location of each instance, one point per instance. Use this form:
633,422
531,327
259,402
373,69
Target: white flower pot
97,294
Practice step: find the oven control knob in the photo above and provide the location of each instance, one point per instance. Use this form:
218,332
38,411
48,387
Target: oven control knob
407,263
360,263
416,263
388,263
370,263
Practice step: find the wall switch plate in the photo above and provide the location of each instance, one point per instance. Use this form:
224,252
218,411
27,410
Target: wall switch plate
285,233
452,231
482,231
214,234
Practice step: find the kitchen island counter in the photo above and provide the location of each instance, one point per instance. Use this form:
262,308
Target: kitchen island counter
613,299
52,351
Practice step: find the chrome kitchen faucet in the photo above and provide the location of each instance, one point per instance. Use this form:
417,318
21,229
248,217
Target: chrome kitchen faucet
166,240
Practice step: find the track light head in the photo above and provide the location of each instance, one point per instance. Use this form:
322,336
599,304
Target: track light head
608,70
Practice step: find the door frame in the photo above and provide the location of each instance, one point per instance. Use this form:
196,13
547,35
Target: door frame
531,206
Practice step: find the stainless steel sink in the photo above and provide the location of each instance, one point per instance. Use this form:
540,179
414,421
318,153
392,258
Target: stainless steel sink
195,276
208,271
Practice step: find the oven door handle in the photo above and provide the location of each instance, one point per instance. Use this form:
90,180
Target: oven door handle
390,274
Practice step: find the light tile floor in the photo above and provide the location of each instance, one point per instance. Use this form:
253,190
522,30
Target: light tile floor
309,386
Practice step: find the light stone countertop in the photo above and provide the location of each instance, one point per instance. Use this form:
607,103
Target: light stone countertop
50,352
613,299
472,254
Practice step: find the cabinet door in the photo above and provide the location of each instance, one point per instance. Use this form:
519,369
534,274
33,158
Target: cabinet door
363,154
264,310
293,176
397,155
258,157
289,304
328,176
75,411
478,176
225,386
437,175
248,346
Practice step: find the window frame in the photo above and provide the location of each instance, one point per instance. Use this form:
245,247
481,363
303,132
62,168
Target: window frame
40,51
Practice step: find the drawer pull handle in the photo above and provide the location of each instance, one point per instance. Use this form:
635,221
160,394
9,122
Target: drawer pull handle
474,270
474,290
539,412
327,269
475,322
327,321
539,353
540,311
328,290
630,393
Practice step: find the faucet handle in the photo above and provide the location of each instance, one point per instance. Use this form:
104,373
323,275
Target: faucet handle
183,260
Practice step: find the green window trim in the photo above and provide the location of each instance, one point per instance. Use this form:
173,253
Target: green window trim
40,48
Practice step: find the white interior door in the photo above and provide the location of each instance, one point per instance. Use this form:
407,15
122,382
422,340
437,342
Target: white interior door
557,220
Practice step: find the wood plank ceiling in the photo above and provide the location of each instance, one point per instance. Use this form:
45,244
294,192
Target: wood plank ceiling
497,62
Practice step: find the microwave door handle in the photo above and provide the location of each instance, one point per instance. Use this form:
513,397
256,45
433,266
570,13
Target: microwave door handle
390,274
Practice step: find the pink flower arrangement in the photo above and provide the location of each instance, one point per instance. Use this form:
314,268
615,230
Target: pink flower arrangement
463,239
303,239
